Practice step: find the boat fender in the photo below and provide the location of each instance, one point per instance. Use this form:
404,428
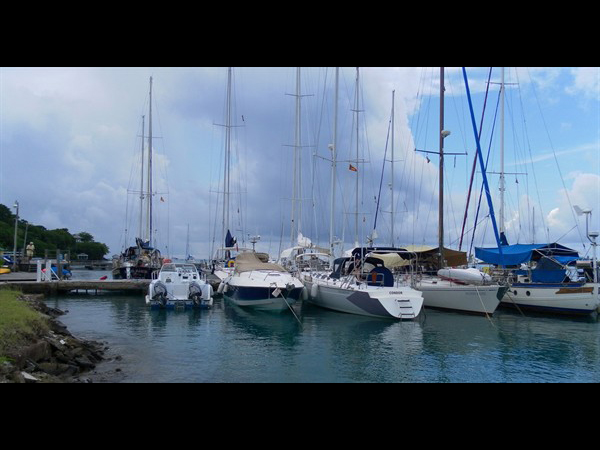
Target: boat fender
220,288
304,293
314,290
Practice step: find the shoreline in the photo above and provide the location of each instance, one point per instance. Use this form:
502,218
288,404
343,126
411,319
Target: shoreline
54,356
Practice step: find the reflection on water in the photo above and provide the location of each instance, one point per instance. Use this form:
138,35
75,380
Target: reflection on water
233,344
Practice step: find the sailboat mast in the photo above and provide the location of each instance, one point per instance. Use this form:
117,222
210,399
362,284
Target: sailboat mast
226,180
149,193
441,176
357,155
297,176
502,189
392,168
333,167
142,183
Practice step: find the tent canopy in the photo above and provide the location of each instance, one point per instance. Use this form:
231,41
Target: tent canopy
429,254
517,254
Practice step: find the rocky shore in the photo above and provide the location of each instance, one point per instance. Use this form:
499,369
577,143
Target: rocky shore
55,356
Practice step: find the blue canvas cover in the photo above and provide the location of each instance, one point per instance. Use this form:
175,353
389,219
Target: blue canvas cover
517,254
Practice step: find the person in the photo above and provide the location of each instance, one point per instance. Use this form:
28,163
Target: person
30,249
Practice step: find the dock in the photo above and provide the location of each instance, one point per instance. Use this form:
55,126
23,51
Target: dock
28,284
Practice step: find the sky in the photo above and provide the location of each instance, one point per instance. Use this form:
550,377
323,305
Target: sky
70,152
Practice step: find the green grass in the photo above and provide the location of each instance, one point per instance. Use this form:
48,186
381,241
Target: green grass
18,321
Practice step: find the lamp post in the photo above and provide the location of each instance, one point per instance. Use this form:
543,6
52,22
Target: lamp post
16,206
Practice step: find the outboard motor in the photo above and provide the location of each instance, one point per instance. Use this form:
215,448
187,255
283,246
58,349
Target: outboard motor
159,294
195,293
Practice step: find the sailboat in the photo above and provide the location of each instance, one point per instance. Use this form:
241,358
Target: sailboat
223,258
544,277
360,283
302,254
457,289
141,260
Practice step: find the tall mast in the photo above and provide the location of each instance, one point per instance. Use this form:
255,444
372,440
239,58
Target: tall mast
333,166
357,155
392,165
502,189
297,177
441,192
226,180
149,193
142,184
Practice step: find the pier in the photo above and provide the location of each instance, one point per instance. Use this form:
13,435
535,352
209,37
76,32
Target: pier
28,283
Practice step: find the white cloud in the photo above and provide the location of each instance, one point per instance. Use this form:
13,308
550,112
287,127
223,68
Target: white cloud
586,82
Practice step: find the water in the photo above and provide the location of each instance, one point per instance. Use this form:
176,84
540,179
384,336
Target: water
230,344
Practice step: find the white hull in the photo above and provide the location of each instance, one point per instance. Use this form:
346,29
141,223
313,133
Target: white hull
262,290
400,302
570,300
443,294
179,285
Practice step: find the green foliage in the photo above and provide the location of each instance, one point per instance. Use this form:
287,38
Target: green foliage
44,239
18,321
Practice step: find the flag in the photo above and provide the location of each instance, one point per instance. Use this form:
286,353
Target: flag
352,168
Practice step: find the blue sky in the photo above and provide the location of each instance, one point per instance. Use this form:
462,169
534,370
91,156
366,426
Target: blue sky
69,142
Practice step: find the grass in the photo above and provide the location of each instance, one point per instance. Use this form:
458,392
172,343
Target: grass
18,321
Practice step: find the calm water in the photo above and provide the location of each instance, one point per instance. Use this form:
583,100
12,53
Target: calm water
229,344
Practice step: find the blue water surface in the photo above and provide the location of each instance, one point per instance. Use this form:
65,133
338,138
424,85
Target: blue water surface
228,344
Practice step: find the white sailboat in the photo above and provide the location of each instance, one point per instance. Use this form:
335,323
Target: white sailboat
549,277
457,292
359,284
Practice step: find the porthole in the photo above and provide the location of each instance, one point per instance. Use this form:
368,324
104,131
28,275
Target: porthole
527,293
515,292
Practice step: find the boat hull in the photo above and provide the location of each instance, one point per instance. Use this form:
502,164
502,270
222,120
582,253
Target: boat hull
470,299
579,299
262,298
179,303
134,272
389,303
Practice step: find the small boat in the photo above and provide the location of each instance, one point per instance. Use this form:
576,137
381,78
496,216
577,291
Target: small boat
261,285
179,285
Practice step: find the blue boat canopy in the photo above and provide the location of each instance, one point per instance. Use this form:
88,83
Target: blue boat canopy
517,254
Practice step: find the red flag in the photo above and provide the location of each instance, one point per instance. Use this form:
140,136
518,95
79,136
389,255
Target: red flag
352,168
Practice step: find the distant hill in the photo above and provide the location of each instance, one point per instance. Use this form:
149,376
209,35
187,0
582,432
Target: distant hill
43,238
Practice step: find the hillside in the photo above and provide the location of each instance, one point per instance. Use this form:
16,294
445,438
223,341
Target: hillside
42,238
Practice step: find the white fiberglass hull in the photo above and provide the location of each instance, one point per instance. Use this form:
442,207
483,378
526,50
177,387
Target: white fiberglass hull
579,299
468,298
400,302
262,290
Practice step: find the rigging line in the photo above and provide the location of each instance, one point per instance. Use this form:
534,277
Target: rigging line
474,161
557,165
382,172
486,164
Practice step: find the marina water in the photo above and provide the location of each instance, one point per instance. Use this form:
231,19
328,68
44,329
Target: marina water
230,344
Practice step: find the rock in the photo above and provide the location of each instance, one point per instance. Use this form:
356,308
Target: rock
38,351
28,378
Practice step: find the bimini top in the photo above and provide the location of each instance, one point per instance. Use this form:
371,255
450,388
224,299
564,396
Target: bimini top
517,254
248,261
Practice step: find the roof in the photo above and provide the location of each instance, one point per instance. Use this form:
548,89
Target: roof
516,254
